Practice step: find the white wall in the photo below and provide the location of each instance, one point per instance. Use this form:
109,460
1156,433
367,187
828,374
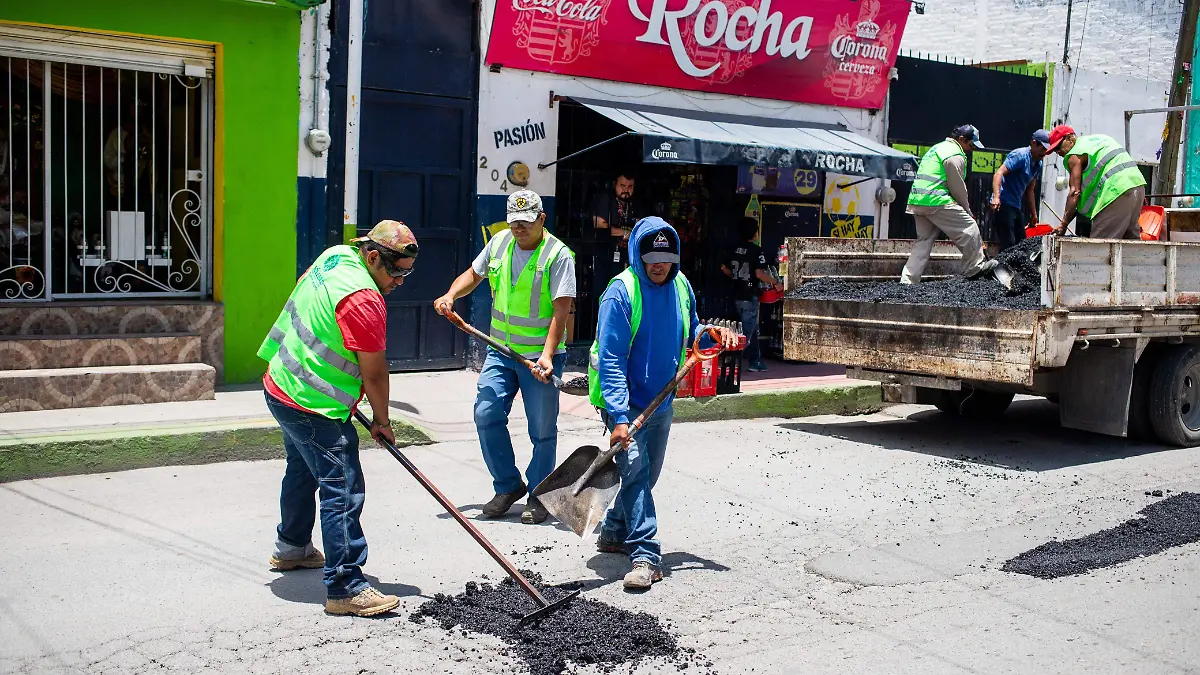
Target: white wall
1135,38
1095,103
513,98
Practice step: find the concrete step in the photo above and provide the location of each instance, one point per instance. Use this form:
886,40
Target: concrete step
91,386
29,352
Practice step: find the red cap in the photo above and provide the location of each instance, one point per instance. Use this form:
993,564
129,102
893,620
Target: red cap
1060,132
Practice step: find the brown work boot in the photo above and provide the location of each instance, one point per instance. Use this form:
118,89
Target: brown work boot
605,545
642,576
368,602
534,512
501,503
312,561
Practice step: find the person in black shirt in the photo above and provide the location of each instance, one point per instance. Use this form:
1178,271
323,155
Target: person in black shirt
747,266
614,213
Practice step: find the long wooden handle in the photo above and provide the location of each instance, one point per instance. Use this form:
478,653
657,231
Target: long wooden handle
504,349
462,520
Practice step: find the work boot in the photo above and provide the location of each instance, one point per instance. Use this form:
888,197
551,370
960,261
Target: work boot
313,561
368,602
605,545
987,266
501,503
534,512
642,575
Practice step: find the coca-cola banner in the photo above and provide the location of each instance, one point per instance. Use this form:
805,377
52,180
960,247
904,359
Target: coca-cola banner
829,52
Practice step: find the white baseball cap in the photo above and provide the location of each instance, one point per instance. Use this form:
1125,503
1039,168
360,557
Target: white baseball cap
524,205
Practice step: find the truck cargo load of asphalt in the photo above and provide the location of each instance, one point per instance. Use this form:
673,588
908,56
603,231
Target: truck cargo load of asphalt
982,291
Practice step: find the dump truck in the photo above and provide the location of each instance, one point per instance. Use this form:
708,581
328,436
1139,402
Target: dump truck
1115,340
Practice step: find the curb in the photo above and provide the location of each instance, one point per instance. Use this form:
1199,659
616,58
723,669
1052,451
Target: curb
38,459
805,402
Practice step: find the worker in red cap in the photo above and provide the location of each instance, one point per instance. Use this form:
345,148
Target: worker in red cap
1106,184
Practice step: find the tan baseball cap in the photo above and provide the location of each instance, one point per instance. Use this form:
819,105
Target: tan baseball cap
393,235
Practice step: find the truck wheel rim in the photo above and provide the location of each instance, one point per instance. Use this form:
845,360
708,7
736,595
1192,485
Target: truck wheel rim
1189,398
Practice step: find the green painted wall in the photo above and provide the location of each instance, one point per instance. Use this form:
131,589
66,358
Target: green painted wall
1190,155
258,84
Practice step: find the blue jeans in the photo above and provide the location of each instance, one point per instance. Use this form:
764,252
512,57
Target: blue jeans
499,381
632,518
748,309
322,456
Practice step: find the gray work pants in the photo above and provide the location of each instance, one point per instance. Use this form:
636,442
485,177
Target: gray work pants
1119,220
959,227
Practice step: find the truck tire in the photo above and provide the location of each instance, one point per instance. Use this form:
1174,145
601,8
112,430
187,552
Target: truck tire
1173,403
1139,395
973,403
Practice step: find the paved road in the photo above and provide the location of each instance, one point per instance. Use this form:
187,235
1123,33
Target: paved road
825,545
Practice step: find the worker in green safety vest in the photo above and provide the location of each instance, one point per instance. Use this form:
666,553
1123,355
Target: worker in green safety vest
938,203
1106,184
532,278
324,352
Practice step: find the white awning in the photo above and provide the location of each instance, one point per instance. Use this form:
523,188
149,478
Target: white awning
697,137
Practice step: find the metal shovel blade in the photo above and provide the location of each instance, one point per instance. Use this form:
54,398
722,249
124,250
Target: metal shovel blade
1004,274
580,507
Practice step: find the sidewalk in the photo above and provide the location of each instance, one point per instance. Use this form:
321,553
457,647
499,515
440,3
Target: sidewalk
429,407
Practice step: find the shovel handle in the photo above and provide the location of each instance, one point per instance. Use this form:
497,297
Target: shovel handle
504,349
453,511
695,355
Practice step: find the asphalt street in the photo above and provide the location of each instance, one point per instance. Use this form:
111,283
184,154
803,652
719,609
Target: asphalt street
868,544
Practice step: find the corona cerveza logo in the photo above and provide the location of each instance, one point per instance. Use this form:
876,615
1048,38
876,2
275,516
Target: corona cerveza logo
664,151
867,30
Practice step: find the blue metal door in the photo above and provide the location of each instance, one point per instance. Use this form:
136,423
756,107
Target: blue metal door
417,130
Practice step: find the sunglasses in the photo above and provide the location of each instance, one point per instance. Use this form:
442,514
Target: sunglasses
393,270
391,256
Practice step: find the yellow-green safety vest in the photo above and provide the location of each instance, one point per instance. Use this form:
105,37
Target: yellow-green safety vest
634,290
1110,172
521,312
930,188
305,349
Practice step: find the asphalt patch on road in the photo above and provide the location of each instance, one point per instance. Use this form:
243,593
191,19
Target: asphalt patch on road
983,291
584,632
1174,521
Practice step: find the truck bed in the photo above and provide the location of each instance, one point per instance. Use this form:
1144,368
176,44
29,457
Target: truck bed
1091,290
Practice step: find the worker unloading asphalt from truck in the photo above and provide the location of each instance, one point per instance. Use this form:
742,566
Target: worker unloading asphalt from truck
532,278
1106,184
938,202
646,323
325,351
1014,187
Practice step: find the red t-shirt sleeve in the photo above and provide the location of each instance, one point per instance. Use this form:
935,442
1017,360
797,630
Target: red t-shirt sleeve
362,316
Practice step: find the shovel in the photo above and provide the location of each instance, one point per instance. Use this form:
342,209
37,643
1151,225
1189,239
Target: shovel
467,328
544,606
579,491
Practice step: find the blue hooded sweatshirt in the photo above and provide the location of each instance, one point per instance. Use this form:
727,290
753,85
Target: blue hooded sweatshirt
632,375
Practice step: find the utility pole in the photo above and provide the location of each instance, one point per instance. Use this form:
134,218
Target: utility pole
1181,78
1067,38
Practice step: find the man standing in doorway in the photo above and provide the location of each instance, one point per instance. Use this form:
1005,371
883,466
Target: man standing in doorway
1014,187
325,351
1106,184
647,322
532,277
614,213
747,266
938,203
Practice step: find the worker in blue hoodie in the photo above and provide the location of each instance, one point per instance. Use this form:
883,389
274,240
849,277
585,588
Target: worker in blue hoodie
647,321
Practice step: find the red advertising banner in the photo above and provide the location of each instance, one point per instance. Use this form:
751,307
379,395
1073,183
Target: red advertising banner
829,52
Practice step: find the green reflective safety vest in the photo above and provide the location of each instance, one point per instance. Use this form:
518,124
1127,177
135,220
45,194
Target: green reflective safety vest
634,290
1110,172
930,188
307,358
521,312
